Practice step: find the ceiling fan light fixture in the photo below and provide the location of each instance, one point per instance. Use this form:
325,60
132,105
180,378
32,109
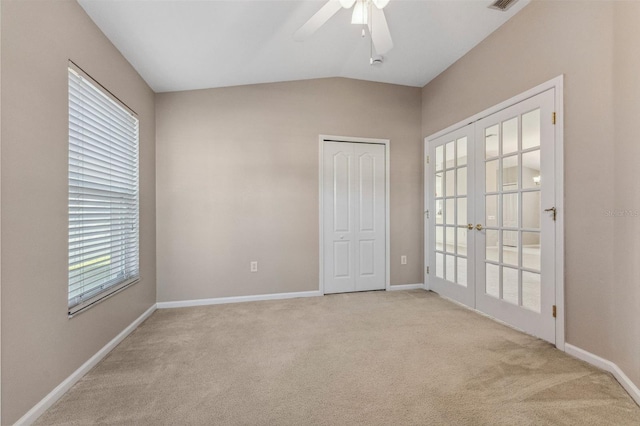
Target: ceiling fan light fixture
380,4
360,14
347,3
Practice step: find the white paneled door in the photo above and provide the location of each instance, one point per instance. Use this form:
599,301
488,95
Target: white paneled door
491,210
353,217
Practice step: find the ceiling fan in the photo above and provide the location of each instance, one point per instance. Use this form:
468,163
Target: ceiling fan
365,12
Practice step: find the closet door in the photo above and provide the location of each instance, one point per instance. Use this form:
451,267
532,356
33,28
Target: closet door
354,217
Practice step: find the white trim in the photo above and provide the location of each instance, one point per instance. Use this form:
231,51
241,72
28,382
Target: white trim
236,299
557,84
46,402
425,219
406,287
387,189
321,216
387,199
606,365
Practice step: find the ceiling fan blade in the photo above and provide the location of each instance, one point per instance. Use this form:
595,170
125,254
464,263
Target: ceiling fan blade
317,20
379,31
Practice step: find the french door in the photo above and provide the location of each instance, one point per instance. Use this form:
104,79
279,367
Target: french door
451,213
492,231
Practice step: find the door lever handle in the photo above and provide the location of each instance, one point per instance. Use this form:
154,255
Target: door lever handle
552,209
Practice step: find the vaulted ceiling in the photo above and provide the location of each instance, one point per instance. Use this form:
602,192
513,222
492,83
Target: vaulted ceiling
185,44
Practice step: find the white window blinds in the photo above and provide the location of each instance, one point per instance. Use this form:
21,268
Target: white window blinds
103,194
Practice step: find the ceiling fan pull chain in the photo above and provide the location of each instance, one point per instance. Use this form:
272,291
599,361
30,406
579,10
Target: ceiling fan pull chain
371,43
370,37
365,17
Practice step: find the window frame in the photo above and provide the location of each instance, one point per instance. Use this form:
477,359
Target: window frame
127,241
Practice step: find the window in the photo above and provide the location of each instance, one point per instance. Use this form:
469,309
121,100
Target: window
103,193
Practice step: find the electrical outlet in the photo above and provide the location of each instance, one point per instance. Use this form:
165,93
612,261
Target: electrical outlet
403,260
254,266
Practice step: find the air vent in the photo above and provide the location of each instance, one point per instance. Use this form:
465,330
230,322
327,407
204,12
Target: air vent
502,4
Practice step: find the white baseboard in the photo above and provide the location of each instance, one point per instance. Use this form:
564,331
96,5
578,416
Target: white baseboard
259,297
42,406
606,365
405,287
236,299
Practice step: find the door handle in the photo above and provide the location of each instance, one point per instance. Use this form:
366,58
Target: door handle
479,227
552,209
342,237
470,226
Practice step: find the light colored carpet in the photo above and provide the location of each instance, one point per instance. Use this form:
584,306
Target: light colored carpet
378,358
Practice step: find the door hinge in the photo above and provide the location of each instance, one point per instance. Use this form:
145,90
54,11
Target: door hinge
554,311
553,118
427,159
427,213
427,269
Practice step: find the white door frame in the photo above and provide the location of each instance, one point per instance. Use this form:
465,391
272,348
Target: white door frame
557,84
387,192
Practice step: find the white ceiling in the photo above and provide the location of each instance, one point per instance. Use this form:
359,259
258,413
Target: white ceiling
185,44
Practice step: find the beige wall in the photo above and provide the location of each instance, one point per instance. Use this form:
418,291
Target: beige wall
40,346
625,309
574,38
238,177
238,181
